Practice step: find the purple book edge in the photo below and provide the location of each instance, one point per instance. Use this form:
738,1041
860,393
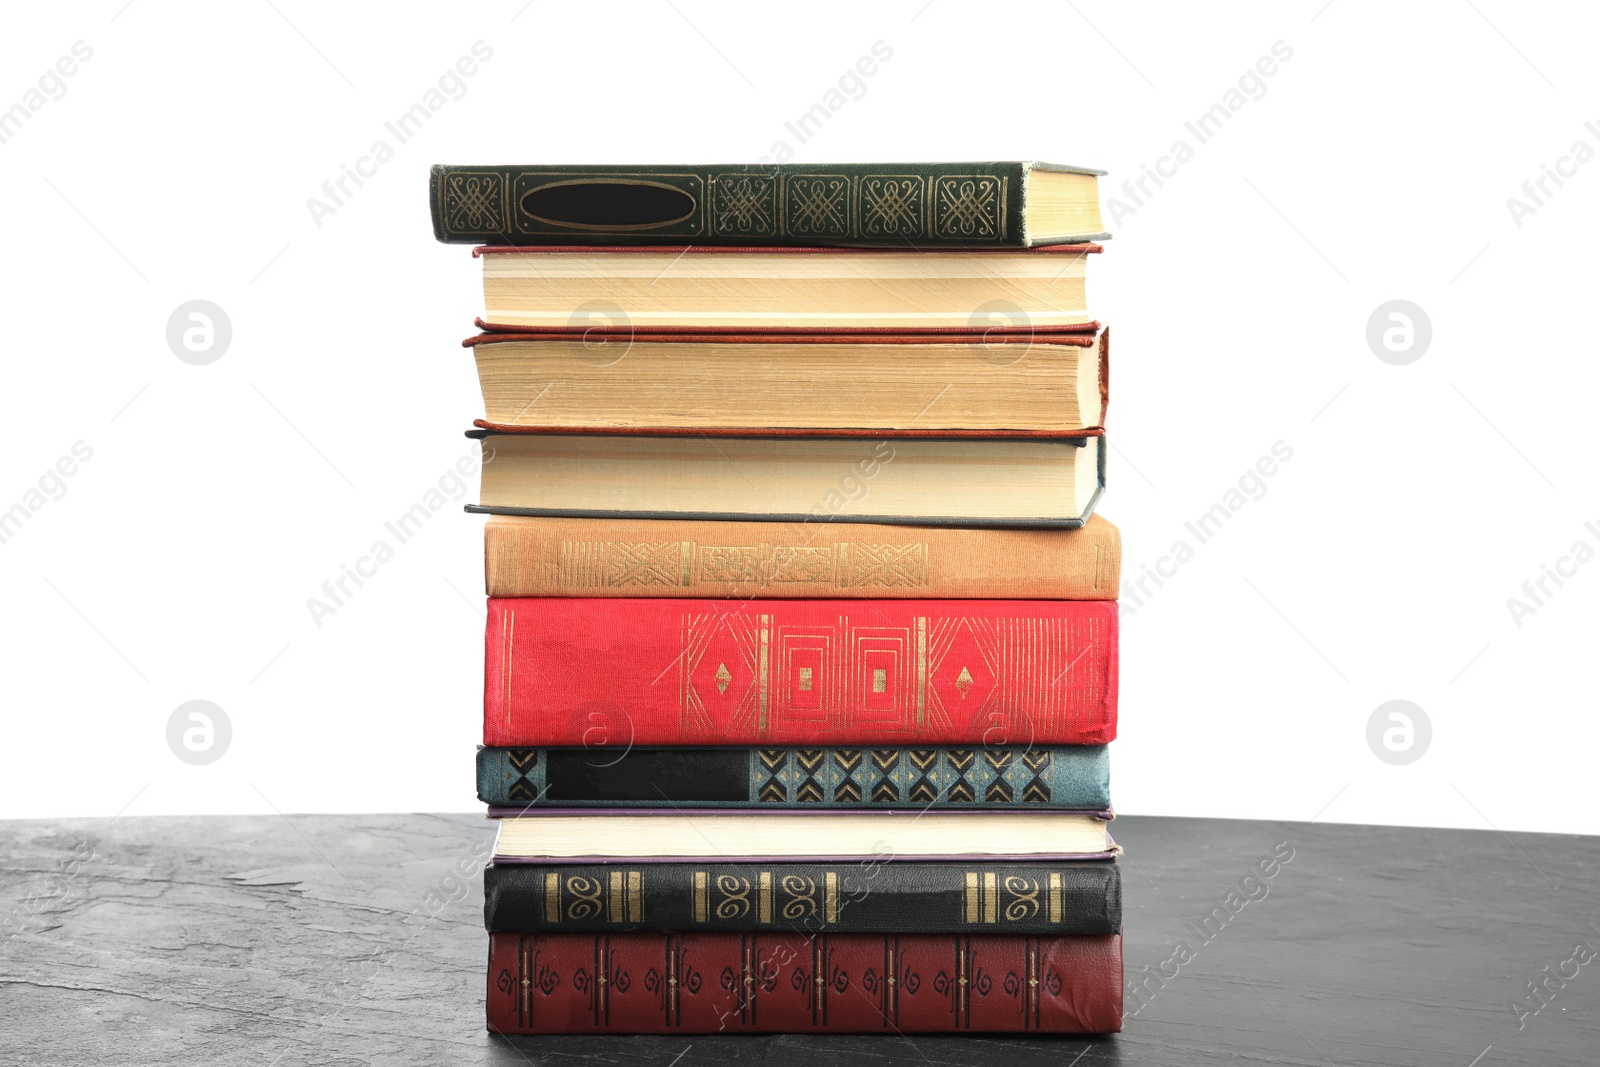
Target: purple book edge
985,857
542,812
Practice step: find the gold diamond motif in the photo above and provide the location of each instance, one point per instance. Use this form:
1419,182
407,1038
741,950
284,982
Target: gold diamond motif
964,682
723,677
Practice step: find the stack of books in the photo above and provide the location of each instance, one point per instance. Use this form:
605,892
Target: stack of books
801,660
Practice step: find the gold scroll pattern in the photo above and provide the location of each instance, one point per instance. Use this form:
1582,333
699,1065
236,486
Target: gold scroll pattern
786,899
616,898
992,899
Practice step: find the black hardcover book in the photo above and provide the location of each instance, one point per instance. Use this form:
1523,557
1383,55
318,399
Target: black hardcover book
878,895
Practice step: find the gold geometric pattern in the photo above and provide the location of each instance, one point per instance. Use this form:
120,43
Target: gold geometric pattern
475,203
819,206
747,639
802,565
719,563
885,566
682,564
999,790
885,761
743,204
899,776
968,208
614,564
773,776
846,791
892,205
1012,679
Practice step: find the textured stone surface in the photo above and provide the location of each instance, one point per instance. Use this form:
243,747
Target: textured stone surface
356,939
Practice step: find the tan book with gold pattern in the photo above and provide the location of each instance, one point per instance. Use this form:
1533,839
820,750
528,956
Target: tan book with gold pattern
559,556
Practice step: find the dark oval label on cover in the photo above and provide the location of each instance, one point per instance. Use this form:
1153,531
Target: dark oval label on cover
608,204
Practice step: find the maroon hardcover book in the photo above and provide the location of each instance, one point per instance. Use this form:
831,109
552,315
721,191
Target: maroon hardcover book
707,983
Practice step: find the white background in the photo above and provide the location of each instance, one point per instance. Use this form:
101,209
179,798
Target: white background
1376,165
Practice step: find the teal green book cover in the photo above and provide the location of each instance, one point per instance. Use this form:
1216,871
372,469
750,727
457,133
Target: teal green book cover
1068,777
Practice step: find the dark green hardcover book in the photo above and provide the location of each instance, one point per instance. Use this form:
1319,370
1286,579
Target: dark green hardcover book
894,896
895,205
1068,777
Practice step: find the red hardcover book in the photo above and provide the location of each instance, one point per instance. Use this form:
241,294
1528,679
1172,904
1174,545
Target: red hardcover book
608,671
663,983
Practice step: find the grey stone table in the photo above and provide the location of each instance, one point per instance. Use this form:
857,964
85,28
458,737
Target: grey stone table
351,939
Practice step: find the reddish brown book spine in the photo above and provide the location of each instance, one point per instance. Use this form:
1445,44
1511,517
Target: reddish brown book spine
656,983
596,671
